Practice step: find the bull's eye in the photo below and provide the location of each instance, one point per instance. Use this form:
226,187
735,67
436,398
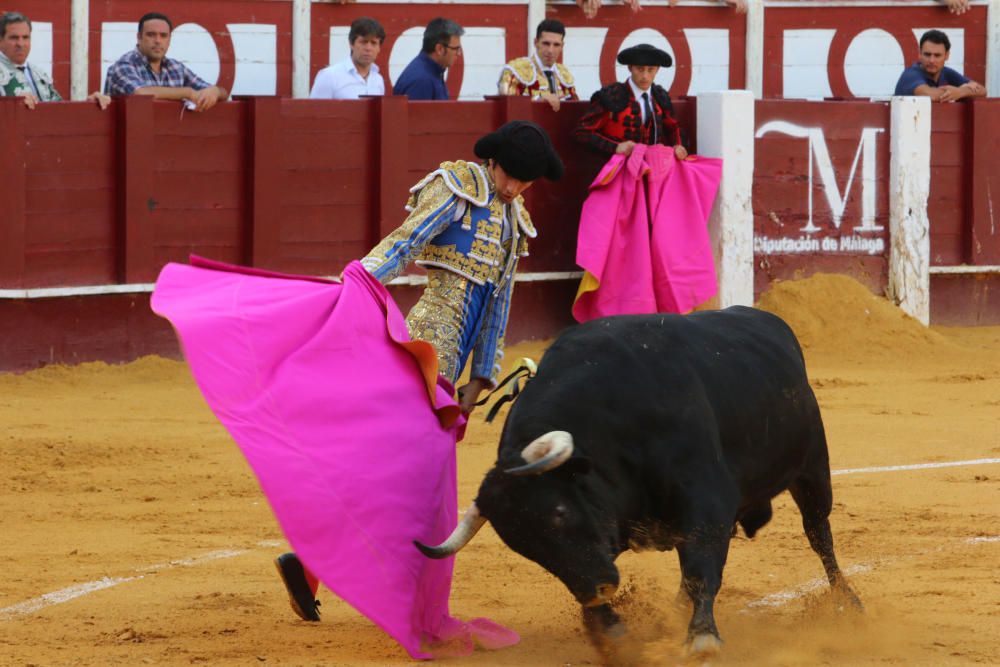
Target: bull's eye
559,516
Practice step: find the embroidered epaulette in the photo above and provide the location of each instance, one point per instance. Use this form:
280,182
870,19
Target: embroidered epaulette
564,75
466,180
662,98
523,219
614,97
523,70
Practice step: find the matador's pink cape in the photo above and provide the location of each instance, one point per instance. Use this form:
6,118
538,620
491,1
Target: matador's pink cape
643,238
347,428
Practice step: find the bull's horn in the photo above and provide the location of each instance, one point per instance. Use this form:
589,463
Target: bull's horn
545,453
464,531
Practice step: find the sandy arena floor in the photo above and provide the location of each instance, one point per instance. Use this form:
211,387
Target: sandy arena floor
133,533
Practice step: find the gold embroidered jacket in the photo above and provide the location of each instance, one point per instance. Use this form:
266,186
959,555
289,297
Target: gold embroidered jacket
526,76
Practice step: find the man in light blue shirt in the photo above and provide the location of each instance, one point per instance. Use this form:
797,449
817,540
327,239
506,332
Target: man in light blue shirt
358,75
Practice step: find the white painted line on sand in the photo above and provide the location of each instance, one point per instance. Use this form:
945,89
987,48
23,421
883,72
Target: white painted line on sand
784,597
73,592
194,560
915,466
63,595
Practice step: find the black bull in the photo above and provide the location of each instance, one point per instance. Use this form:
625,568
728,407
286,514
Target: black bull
657,431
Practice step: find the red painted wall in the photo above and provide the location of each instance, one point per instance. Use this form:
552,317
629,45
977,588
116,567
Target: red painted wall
782,191
848,22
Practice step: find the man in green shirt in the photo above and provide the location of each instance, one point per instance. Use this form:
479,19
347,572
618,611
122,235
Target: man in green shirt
19,78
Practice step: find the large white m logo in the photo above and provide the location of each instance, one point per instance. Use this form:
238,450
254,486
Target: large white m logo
818,150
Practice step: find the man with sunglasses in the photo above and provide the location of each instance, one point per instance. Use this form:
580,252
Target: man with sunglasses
423,78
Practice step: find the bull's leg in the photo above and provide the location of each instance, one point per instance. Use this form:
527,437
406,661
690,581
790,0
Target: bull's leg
703,555
815,501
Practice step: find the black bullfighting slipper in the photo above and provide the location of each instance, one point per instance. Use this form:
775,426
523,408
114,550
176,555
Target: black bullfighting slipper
300,596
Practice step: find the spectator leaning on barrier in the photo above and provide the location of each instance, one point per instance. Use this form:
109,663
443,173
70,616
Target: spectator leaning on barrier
423,78
929,76
358,75
541,76
635,111
18,77
146,70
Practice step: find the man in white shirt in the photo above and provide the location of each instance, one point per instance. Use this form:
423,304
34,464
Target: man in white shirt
358,75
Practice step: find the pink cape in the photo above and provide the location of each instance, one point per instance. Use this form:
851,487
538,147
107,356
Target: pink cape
630,269
344,422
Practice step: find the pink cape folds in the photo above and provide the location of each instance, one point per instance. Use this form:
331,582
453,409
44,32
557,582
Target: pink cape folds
347,427
643,239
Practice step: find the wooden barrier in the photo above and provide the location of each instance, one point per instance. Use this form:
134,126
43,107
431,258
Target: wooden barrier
105,199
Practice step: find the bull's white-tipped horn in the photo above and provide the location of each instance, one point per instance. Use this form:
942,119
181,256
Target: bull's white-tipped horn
464,531
545,453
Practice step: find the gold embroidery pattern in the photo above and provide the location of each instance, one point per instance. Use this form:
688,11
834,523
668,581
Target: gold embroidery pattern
447,257
424,202
437,318
523,76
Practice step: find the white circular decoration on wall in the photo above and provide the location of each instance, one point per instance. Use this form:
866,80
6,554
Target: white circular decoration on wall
873,63
193,45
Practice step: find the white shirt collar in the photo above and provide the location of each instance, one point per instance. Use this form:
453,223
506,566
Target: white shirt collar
351,67
540,66
638,91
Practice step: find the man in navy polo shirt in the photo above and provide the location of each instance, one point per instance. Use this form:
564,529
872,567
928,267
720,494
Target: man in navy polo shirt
423,78
931,78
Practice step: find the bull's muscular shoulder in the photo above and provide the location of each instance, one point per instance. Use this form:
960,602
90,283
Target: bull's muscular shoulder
662,98
613,97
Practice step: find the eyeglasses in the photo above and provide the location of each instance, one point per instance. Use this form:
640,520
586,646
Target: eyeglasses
457,49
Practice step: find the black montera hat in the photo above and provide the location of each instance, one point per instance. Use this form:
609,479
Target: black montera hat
645,54
523,149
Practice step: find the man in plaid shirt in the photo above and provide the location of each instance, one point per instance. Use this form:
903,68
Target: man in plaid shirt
146,70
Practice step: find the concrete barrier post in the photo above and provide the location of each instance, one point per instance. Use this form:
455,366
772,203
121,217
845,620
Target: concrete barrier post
301,40
755,48
909,186
726,130
79,49
993,48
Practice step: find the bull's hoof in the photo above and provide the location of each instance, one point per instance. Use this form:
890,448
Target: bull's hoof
847,600
703,645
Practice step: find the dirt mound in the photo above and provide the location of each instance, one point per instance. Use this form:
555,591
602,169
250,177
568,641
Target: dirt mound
836,314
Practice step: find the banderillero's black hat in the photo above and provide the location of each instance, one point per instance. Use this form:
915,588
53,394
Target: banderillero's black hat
523,149
645,54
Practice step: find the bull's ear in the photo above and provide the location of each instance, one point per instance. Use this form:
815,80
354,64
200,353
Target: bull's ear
576,465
